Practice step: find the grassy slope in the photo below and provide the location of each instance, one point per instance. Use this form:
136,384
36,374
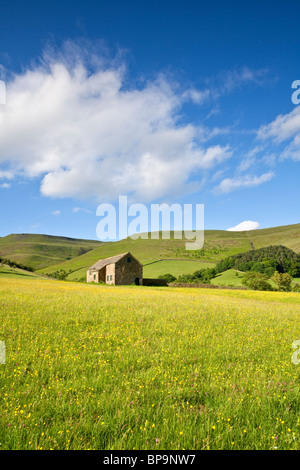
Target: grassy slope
218,244
40,251
16,273
288,235
228,278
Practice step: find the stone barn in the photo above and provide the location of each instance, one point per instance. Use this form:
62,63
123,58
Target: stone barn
122,269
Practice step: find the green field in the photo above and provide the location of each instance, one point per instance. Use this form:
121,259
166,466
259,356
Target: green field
104,367
174,267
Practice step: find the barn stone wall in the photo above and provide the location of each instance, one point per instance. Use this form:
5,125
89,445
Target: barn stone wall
110,272
127,272
92,276
154,282
96,276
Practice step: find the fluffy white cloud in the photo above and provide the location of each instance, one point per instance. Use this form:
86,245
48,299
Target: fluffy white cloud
87,135
56,212
245,226
283,127
246,181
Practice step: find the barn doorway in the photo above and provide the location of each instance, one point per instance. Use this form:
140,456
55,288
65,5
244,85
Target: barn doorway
137,281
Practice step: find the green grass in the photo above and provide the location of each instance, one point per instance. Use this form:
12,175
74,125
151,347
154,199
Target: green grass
97,367
174,267
228,278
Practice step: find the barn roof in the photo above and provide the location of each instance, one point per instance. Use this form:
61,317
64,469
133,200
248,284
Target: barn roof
104,262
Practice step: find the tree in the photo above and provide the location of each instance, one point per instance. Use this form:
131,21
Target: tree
168,277
256,281
283,281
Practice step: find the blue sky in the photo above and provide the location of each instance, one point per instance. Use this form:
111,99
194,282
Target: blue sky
182,101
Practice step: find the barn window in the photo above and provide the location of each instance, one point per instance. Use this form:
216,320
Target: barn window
90,273
107,278
94,277
110,278
128,259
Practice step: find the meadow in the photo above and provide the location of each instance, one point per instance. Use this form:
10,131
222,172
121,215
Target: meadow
104,367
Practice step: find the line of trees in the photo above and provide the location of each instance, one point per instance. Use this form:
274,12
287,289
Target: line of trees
202,276
61,275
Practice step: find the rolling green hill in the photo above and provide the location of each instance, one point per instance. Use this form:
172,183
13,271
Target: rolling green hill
218,245
41,251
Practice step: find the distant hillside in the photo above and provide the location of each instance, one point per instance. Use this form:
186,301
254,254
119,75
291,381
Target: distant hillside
287,235
218,245
41,251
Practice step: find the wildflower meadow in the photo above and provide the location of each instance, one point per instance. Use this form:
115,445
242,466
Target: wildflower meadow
123,368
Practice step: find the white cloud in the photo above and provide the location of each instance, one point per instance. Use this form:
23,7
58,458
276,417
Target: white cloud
34,227
80,209
247,181
250,158
284,128
5,185
196,96
245,226
6,175
87,135
226,82
241,76
56,212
